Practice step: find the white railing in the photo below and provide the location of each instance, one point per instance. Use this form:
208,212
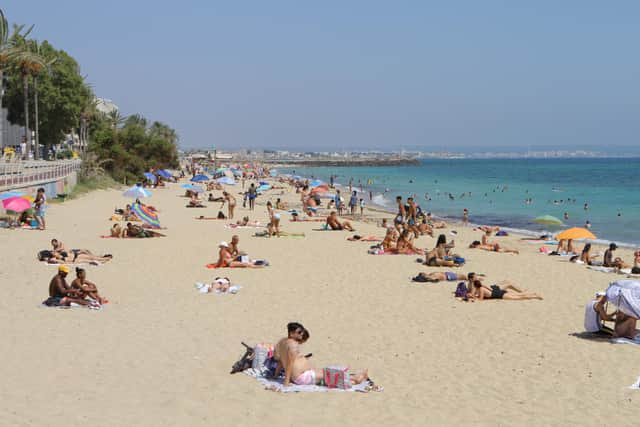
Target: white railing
14,175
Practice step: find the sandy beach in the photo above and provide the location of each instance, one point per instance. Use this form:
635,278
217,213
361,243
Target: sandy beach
159,353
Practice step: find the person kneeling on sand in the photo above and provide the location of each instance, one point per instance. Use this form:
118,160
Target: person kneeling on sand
596,313
501,290
334,224
297,368
60,293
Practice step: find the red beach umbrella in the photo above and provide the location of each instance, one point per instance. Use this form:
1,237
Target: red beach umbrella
16,204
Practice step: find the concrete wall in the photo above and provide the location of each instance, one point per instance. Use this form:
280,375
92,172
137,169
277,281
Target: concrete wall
53,189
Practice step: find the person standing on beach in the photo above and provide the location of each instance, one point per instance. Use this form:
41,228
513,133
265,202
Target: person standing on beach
465,217
412,217
338,201
353,202
399,219
40,207
253,193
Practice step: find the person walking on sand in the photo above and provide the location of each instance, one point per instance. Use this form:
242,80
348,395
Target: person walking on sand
353,202
253,193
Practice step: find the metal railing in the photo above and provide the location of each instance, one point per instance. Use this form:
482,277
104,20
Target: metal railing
14,175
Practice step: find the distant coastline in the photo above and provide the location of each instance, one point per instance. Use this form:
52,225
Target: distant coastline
343,162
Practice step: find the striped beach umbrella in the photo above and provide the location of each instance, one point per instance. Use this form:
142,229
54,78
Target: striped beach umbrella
146,214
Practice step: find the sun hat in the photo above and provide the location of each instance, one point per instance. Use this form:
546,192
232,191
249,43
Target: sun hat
64,269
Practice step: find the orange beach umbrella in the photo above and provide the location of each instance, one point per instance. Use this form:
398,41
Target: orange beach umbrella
575,233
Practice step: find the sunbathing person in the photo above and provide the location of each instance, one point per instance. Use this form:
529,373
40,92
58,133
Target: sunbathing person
140,232
492,248
334,224
117,231
596,314
85,287
438,276
59,248
297,368
194,202
405,243
225,259
502,290
485,239
60,293
425,228
358,238
439,256
585,256
491,228
281,205
215,199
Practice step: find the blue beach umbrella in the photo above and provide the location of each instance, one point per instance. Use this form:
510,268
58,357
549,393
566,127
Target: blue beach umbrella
315,183
273,172
164,173
200,178
263,188
297,177
226,180
151,177
192,187
236,172
137,192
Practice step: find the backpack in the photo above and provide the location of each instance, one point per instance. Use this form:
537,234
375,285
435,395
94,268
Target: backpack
44,255
221,215
461,290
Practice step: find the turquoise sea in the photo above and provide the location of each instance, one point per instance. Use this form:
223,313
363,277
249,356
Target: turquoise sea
496,191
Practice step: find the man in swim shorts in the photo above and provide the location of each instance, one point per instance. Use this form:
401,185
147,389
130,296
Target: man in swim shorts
437,276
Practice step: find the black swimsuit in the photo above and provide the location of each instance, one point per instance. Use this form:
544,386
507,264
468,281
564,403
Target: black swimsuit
496,292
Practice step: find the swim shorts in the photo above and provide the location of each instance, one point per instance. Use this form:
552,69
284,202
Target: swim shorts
496,292
306,378
451,276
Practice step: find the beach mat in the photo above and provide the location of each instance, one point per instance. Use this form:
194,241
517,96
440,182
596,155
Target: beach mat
278,385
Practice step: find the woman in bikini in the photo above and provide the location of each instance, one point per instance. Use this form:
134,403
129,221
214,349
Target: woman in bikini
436,256
501,290
231,203
494,247
274,221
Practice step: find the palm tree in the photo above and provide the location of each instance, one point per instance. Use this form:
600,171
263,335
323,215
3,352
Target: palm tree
38,64
26,61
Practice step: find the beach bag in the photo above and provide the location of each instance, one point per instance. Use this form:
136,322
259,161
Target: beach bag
44,255
337,377
502,233
221,215
461,290
261,353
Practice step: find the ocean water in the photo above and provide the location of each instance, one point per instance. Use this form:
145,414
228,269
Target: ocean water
495,191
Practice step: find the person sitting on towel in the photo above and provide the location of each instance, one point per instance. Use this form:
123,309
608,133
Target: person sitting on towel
60,293
334,224
596,313
225,259
297,367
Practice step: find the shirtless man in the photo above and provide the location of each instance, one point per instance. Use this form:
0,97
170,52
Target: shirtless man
437,276
233,247
399,219
412,220
297,368
225,259
87,288
334,224
60,294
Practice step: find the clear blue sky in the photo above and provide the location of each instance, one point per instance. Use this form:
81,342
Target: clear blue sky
361,74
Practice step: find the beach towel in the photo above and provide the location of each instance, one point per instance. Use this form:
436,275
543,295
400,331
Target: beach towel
208,218
636,385
601,269
243,226
635,341
278,385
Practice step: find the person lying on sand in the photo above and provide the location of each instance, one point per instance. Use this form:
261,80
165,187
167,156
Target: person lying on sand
596,314
492,248
244,222
358,238
501,290
438,276
491,228
60,249
85,287
334,224
225,259
137,231
60,293
297,368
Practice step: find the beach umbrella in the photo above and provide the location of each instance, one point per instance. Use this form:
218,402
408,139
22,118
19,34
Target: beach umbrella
315,183
9,194
263,188
146,214
136,192
297,177
547,219
226,180
221,170
16,204
575,233
194,188
164,173
320,189
151,177
200,178
273,172
236,172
